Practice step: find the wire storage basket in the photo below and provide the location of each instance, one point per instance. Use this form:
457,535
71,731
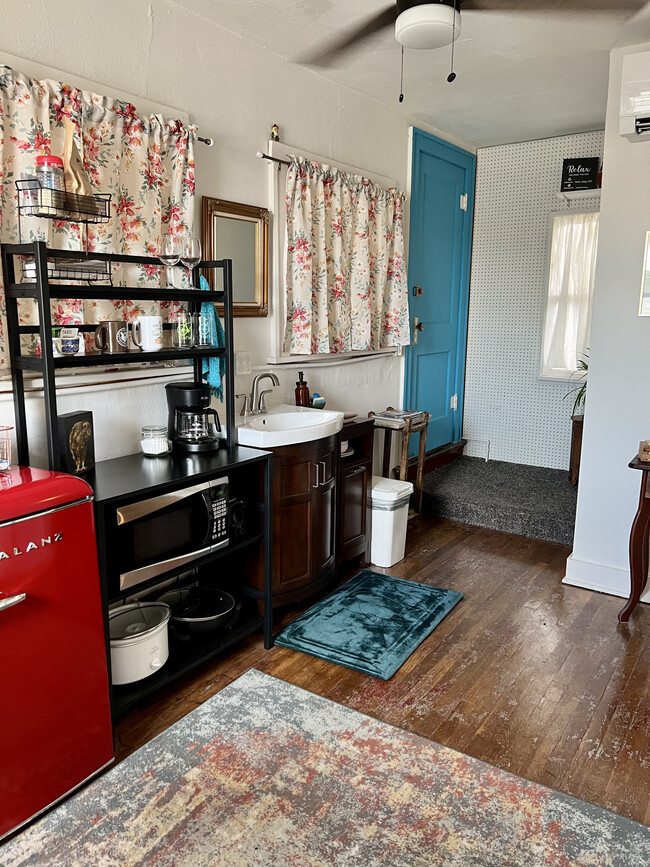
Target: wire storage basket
35,200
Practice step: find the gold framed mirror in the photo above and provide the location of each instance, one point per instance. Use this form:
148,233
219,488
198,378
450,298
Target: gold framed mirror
241,233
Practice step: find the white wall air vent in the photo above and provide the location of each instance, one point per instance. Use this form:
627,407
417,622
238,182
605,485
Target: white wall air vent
635,95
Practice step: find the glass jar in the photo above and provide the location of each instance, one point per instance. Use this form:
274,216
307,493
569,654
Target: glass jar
154,440
49,171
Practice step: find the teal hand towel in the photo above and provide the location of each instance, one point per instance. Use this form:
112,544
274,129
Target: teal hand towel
214,368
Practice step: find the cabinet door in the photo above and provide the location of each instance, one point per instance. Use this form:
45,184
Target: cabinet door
354,511
325,524
294,516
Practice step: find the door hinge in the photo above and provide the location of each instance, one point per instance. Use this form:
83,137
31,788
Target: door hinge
463,202
453,403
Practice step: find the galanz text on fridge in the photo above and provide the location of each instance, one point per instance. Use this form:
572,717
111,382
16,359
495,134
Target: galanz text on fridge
32,546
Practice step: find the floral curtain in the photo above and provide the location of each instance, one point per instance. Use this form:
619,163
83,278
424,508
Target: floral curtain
345,277
146,163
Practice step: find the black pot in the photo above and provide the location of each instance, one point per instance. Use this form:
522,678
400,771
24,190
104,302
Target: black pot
197,610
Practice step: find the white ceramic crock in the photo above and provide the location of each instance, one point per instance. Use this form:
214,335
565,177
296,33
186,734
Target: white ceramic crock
138,637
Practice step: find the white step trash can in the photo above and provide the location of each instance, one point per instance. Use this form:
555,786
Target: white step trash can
390,512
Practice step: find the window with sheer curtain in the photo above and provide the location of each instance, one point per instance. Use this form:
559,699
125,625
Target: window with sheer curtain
569,293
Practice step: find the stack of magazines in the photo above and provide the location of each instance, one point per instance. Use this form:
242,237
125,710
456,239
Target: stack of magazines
397,418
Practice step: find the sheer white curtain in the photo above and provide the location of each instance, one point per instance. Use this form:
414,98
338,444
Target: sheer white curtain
570,289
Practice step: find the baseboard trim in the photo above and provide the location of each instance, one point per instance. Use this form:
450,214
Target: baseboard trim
603,579
435,458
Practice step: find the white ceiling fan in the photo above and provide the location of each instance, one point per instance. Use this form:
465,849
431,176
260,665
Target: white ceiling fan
430,25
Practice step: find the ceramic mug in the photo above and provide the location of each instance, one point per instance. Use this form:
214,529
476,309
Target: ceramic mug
147,333
66,345
112,337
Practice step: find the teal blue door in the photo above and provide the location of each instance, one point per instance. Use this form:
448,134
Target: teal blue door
442,206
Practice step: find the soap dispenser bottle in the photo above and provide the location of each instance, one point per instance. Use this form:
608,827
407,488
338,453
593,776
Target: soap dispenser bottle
302,391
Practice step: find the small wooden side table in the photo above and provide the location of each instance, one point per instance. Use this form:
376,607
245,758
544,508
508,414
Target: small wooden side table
639,547
405,429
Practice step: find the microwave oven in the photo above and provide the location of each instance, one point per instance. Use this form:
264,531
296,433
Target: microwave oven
158,535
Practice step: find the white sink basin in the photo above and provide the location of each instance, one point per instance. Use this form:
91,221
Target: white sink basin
286,424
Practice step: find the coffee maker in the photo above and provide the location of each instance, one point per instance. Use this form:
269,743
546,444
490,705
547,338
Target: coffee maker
193,426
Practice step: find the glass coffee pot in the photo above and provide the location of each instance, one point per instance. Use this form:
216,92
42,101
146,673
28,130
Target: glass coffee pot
196,429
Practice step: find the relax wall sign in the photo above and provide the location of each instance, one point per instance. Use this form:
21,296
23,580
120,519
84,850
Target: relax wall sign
580,174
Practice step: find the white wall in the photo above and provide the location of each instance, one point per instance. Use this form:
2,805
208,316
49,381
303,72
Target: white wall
617,412
234,91
524,418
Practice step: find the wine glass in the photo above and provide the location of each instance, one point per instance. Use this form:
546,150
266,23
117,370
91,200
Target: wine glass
170,254
191,255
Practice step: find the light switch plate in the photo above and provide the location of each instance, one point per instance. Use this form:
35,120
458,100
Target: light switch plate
243,362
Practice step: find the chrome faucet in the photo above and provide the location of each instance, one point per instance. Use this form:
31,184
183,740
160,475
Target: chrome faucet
257,402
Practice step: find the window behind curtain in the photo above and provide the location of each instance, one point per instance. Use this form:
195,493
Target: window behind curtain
570,287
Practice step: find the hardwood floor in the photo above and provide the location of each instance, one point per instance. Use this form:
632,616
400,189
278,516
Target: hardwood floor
526,673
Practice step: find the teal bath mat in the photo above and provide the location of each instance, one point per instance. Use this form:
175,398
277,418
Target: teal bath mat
373,623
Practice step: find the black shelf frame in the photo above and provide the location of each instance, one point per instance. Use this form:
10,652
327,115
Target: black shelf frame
43,291
133,477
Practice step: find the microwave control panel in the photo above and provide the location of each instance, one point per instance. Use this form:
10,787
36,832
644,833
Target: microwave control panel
219,498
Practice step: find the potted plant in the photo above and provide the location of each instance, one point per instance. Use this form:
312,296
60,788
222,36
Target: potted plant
579,394
579,391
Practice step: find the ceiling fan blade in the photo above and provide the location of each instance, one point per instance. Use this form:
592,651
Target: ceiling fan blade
334,49
625,6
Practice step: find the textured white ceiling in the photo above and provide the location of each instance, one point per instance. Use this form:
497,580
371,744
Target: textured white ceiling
521,75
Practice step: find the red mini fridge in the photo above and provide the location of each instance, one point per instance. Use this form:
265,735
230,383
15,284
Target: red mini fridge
55,718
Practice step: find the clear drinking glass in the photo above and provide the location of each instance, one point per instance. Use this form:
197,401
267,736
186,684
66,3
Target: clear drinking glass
191,255
202,329
182,330
170,254
5,448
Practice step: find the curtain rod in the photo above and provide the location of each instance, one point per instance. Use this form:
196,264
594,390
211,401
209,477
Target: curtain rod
206,141
263,156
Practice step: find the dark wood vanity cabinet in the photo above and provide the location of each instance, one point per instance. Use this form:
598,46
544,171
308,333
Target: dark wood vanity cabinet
354,490
321,510
304,518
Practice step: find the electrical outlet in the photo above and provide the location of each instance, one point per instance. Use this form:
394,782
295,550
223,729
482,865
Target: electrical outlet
243,362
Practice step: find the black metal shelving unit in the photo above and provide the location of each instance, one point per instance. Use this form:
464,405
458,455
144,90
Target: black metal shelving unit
43,291
127,479
130,477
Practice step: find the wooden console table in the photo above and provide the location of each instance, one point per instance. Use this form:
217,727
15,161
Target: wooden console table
639,546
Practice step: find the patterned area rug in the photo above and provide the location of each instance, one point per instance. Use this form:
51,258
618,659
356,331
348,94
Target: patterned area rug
373,623
265,773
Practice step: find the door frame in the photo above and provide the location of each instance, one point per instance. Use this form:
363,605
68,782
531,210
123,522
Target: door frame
444,148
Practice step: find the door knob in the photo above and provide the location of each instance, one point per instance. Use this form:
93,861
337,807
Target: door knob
417,327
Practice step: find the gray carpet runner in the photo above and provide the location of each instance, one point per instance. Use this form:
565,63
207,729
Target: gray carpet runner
529,501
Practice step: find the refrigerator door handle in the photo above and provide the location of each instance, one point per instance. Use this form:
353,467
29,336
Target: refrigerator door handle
12,600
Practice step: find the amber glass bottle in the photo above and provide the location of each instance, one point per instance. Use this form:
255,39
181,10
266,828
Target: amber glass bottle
302,391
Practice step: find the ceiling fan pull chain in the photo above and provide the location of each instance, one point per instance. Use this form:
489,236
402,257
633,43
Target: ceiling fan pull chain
401,78
452,74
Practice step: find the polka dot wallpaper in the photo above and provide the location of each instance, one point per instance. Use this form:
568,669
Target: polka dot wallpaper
508,408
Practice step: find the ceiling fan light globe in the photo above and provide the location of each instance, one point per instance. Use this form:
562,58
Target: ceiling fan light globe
429,25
